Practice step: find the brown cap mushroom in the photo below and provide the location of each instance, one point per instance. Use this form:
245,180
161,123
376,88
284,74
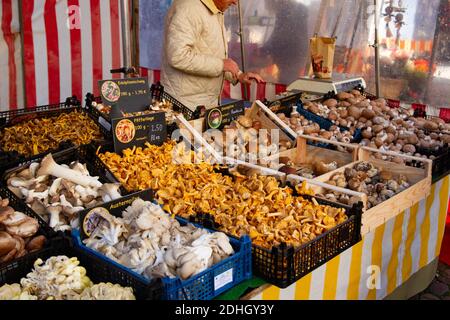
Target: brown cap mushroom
7,243
36,243
5,213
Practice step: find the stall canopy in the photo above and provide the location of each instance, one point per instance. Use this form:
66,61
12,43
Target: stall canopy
70,44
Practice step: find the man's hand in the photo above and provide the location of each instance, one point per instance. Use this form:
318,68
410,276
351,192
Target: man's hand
247,78
229,65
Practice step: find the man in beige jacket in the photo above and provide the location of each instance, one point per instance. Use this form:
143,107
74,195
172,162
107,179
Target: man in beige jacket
195,55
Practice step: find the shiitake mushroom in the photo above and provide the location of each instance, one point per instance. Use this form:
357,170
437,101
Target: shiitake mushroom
343,113
333,116
368,114
377,128
354,112
330,103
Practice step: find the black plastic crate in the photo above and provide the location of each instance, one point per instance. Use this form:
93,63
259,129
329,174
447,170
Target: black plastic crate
82,154
101,168
20,206
441,162
19,115
284,265
97,269
10,118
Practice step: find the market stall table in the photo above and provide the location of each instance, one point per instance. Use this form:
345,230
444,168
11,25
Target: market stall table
398,257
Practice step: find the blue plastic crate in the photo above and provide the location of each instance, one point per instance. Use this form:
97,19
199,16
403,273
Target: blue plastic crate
204,286
326,125
322,122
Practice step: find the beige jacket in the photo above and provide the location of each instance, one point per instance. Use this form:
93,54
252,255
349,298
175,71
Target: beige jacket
194,49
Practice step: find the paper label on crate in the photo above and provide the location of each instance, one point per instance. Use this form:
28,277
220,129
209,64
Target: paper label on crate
223,279
105,124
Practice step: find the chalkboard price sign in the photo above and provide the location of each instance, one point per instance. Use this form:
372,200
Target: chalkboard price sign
136,131
219,117
286,104
125,95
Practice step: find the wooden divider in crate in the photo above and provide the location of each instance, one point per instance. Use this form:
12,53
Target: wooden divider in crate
269,120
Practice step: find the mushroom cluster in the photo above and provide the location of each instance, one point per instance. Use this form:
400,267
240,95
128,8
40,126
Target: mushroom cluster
306,170
59,192
349,109
300,125
39,135
243,139
61,278
379,185
17,233
384,128
150,242
254,205
397,131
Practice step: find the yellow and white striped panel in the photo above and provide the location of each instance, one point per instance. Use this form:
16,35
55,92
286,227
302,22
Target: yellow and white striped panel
391,254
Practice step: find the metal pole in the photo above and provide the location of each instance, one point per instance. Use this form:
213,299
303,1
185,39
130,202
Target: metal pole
125,23
135,61
241,36
22,55
434,50
377,53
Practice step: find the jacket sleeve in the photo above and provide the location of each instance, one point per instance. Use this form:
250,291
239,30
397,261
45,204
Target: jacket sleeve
183,31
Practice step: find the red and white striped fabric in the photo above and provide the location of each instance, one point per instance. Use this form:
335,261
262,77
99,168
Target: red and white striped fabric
69,45
257,91
11,93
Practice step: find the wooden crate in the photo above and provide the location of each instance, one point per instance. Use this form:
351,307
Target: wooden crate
258,112
305,154
420,180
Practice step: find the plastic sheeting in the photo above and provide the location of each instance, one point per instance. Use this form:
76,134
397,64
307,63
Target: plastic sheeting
409,68
276,37
151,24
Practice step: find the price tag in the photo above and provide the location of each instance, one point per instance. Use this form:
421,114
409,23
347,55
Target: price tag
219,117
136,131
285,105
125,95
223,279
